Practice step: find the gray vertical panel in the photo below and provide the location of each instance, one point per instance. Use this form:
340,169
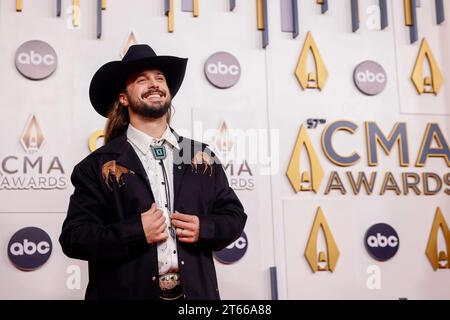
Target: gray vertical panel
324,6
440,12
413,33
187,5
287,19
232,5
58,8
273,283
294,18
383,14
99,19
355,15
265,33
166,7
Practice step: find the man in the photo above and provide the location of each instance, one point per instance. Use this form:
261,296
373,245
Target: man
150,206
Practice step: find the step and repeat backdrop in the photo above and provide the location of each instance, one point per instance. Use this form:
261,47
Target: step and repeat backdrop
331,119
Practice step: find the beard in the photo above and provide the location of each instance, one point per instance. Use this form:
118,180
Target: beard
149,110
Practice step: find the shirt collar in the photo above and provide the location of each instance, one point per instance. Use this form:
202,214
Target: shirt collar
143,141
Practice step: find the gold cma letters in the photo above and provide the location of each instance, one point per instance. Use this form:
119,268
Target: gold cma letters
304,180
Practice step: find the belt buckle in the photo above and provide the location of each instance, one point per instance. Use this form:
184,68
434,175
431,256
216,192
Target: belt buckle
169,281
170,286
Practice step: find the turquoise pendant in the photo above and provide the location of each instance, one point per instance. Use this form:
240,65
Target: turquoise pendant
159,152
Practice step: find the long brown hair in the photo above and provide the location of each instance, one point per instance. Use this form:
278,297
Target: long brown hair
118,120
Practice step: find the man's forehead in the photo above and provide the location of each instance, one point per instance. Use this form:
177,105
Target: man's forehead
149,71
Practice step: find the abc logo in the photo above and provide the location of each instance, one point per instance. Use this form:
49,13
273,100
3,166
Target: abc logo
36,60
222,70
29,248
370,78
234,251
382,241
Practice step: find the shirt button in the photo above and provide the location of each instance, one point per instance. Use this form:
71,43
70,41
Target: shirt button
182,262
153,278
179,167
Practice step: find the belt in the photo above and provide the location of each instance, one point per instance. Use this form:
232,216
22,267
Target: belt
170,286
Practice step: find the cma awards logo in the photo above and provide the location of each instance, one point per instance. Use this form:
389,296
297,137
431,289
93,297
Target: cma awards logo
315,78
234,251
36,60
29,248
239,172
432,81
222,70
307,175
438,251
32,170
381,241
321,260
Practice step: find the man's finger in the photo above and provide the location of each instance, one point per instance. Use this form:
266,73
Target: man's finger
162,237
182,224
158,212
184,233
183,217
152,208
161,228
186,239
160,219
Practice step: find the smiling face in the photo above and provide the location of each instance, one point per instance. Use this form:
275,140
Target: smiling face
147,94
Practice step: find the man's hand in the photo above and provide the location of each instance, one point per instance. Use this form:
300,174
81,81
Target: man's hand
187,227
154,224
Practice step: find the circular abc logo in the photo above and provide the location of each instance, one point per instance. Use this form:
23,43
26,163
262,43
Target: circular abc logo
370,78
381,241
36,60
234,251
222,70
29,248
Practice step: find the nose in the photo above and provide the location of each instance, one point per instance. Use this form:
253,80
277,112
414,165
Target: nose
152,83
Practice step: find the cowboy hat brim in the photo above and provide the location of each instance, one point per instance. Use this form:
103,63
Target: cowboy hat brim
110,79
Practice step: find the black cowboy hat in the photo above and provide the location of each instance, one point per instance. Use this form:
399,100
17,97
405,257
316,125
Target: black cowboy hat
110,79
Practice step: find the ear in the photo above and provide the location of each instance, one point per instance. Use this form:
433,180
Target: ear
123,99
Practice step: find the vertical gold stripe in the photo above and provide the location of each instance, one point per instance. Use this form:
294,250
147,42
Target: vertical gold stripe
19,5
171,18
76,13
195,8
103,4
408,16
260,16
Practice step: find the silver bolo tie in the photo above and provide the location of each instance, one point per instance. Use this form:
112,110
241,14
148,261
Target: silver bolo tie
159,153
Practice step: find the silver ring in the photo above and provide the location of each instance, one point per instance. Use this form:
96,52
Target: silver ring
182,231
